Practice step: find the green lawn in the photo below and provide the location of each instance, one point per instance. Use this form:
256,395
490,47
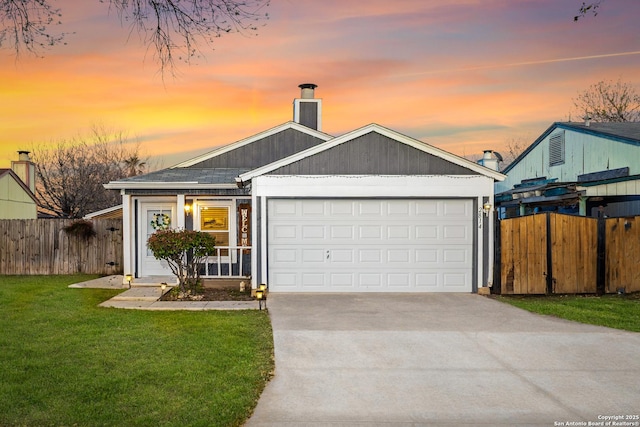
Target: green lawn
614,311
64,361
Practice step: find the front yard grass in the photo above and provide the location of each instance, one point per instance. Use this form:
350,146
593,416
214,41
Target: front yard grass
66,361
613,311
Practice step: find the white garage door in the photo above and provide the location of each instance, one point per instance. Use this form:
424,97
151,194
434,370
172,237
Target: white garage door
366,245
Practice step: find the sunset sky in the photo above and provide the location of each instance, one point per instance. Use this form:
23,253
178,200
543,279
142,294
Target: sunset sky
462,75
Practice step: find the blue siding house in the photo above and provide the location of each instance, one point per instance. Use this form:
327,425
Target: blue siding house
588,169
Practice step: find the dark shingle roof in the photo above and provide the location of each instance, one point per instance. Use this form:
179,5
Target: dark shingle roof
201,176
627,130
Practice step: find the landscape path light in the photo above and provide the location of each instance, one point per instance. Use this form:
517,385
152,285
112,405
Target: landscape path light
261,295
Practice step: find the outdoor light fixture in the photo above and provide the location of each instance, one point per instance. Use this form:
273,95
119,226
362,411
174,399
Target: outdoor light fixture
129,279
261,295
163,286
187,209
487,208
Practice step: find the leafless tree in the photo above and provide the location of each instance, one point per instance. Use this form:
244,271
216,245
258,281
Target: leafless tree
608,101
514,147
174,29
70,173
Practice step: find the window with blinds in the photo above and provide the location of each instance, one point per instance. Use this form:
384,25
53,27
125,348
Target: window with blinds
556,149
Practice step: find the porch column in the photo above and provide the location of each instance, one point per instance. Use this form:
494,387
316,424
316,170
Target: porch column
180,222
127,238
582,205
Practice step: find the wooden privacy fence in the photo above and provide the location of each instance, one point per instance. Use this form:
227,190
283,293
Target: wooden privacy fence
42,246
565,254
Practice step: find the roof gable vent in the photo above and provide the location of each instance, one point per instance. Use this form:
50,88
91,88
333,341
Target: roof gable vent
556,149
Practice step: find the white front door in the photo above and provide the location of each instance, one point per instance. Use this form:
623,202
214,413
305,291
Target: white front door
153,216
362,245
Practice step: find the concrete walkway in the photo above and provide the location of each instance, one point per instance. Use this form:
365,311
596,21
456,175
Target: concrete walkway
146,296
441,359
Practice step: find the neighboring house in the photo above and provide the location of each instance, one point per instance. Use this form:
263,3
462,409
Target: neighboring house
589,169
17,187
295,208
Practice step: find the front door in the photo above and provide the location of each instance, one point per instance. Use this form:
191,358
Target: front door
153,216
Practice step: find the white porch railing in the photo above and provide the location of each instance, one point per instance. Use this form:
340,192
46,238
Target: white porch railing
229,262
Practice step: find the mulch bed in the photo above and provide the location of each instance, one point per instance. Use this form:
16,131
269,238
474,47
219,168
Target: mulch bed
212,294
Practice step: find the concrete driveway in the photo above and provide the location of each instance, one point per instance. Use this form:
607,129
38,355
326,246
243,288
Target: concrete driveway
441,359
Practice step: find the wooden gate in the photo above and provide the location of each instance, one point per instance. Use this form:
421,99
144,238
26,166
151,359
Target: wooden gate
523,248
622,248
574,254
548,253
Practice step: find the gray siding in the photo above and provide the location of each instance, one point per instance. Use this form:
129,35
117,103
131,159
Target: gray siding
262,152
309,114
373,154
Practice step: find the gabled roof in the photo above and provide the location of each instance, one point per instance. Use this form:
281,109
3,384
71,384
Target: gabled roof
226,148
625,132
12,174
481,170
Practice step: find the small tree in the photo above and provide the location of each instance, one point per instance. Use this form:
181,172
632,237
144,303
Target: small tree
184,250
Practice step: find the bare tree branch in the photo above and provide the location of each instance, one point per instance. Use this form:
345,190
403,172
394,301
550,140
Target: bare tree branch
588,8
173,29
24,24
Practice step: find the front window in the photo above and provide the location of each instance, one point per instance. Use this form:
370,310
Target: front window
215,220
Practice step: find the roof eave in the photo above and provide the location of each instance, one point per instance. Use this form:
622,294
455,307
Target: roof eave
119,185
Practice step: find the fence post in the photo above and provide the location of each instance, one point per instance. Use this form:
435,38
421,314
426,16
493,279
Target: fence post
601,257
497,256
549,256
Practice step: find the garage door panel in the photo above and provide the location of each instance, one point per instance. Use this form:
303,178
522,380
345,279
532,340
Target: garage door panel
400,256
342,232
286,255
342,255
370,245
395,232
312,256
311,280
370,232
285,281
312,208
370,256
342,280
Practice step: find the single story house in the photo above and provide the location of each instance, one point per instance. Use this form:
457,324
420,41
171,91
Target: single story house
588,169
302,211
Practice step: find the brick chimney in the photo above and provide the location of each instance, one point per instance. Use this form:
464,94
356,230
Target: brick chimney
25,169
307,110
